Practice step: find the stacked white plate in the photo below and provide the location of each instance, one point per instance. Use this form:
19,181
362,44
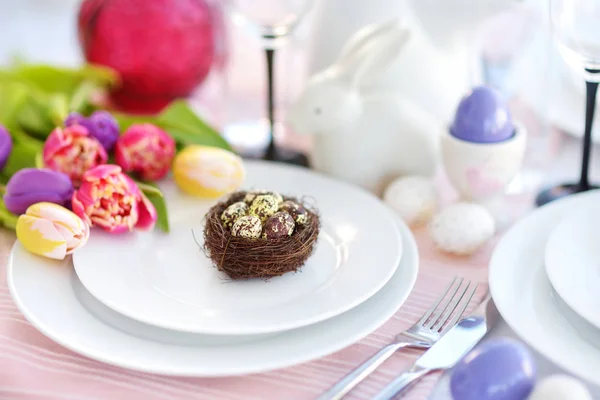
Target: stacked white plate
152,301
545,281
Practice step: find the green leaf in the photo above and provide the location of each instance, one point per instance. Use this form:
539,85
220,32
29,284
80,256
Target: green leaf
58,108
7,219
51,79
21,156
33,117
155,196
180,121
12,96
149,189
39,160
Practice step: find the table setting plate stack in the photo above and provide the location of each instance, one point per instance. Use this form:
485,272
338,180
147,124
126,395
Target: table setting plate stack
154,302
544,276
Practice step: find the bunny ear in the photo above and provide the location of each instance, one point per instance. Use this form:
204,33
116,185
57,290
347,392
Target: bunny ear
362,41
378,55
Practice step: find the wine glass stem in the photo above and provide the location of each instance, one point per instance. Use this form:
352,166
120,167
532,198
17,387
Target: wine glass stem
591,89
270,154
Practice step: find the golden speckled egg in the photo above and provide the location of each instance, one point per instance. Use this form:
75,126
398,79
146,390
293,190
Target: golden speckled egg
298,213
208,172
251,195
248,226
264,206
233,212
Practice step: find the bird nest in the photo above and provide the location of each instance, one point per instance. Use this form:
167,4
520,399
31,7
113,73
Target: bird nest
245,258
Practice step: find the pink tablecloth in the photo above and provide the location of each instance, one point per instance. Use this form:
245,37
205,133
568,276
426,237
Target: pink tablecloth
34,367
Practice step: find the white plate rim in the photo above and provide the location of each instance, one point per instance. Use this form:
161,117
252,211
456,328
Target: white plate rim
560,343
279,326
353,325
577,303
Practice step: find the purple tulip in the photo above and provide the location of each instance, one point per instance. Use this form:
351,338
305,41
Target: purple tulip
33,185
100,125
5,146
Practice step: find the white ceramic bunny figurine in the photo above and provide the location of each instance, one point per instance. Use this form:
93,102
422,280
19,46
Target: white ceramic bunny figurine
362,136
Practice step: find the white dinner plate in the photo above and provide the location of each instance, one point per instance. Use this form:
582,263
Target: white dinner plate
524,296
51,297
165,280
573,262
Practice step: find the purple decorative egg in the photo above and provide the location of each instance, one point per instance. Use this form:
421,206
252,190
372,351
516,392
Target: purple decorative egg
483,117
499,369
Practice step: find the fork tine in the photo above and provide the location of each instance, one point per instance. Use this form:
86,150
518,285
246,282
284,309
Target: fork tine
437,302
460,311
448,313
439,311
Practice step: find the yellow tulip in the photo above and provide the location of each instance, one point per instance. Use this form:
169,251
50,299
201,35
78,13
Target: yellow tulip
208,172
52,231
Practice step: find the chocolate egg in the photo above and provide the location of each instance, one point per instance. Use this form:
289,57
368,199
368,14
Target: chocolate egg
279,225
248,226
251,195
483,117
263,206
298,213
499,369
233,212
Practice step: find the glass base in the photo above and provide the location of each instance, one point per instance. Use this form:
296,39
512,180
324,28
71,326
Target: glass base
557,192
285,156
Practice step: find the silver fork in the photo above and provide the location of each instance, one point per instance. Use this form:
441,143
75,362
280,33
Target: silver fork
422,335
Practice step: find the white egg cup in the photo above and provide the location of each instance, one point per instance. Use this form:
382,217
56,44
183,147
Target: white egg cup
480,172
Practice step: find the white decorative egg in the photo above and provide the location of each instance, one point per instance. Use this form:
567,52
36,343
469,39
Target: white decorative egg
560,387
414,198
462,228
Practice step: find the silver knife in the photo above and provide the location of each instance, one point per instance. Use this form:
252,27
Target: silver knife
453,346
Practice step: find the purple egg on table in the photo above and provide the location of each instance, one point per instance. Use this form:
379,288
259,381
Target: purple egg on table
483,117
499,369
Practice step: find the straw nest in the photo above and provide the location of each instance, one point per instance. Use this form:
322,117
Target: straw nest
245,258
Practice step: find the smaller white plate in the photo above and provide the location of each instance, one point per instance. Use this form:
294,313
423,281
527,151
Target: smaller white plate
573,262
165,280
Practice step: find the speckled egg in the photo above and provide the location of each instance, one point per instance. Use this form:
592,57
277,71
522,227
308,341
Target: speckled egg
482,116
233,212
462,228
414,199
560,387
298,213
498,369
208,172
263,206
279,225
251,195
248,226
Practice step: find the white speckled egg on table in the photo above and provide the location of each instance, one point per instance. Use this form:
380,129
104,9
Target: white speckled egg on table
414,199
560,387
462,228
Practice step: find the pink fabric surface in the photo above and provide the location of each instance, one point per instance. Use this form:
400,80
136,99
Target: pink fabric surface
34,367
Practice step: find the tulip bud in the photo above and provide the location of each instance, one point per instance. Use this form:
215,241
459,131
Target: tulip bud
73,151
32,185
5,146
52,231
100,125
208,172
146,150
111,200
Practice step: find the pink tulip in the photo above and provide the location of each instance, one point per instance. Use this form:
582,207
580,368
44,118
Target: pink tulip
72,151
145,150
111,200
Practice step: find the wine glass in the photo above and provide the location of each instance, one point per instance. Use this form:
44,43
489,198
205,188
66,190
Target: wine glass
273,21
576,29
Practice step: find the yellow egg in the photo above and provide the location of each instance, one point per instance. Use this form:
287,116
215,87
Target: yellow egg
208,172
